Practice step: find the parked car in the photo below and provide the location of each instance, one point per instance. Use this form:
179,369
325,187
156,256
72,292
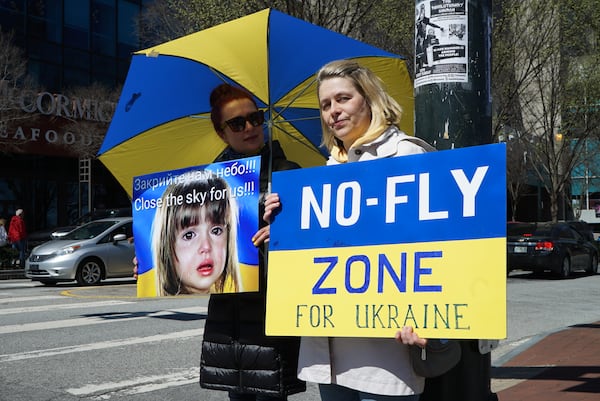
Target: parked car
97,214
583,228
556,247
595,230
90,253
39,237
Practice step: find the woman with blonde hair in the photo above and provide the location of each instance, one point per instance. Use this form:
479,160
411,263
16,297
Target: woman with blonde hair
375,121
360,122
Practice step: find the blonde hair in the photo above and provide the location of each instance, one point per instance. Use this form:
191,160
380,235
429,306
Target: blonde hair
171,219
385,110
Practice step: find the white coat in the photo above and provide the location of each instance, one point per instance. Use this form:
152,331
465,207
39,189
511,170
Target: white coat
373,365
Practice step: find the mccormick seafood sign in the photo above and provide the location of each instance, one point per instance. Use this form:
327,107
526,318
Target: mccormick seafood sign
363,249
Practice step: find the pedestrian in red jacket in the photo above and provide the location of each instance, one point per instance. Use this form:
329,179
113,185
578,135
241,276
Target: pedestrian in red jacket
17,235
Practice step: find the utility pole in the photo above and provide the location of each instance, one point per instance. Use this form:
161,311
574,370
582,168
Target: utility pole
453,108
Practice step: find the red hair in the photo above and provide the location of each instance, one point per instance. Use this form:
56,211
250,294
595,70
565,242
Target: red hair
220,96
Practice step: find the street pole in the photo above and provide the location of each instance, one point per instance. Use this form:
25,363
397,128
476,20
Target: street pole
453,109
85,179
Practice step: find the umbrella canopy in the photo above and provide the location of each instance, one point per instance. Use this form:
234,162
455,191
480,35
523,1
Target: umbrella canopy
162,120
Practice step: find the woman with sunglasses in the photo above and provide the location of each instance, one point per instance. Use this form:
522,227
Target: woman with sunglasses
237,356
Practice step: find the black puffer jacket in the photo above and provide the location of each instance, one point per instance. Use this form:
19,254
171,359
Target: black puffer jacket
236,354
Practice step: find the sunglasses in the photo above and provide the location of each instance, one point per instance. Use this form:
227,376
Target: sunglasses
238,124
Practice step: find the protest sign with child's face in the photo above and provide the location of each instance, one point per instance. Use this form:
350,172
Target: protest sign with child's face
193,229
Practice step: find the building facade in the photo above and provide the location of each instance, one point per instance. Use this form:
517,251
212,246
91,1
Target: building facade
44,168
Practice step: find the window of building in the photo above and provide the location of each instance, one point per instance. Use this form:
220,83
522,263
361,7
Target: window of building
13,5
127,31
104,27
42,50
77,24
45,19
12,17
76,37
77,14
123,69
76,77
49,75
77,58
103,45
104,69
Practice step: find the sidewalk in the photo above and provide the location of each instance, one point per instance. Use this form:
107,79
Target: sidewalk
563,366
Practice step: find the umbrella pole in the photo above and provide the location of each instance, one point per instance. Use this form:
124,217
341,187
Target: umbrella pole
269,177
270,144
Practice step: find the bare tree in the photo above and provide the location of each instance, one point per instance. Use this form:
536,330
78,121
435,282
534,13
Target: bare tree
165,20
344,16
92,108
581,116
13,82
517,163
532,89
170,19
391,26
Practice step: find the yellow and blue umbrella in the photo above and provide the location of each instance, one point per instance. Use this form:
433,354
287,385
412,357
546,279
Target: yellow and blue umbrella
162,120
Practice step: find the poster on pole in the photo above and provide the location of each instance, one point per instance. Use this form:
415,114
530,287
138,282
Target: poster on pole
193,229
363,249
441,42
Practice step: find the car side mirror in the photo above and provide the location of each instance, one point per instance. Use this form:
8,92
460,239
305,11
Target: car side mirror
119,237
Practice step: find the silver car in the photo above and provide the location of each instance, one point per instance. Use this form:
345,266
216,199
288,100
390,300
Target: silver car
92,252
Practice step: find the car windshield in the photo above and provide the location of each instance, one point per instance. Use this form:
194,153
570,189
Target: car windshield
102,214
88,231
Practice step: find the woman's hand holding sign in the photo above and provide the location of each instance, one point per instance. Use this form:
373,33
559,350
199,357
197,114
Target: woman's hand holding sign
272,203
408,336
261,236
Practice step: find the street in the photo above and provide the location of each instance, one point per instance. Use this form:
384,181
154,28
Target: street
102,343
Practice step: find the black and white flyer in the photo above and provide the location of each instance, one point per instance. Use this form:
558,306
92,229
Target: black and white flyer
441,42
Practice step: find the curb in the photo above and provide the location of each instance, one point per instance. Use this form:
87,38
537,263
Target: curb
507,351
12,274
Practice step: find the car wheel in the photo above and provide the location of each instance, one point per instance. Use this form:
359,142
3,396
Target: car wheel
593,269
89,272
565,268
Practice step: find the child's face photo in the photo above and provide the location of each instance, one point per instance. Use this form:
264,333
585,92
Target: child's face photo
201,254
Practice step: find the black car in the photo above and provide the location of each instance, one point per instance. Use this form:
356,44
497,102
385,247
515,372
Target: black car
584,228
547,246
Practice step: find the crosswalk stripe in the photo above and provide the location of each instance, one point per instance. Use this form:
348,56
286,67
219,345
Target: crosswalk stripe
139,385
18,284
54,307
127,316
26,299
100,345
